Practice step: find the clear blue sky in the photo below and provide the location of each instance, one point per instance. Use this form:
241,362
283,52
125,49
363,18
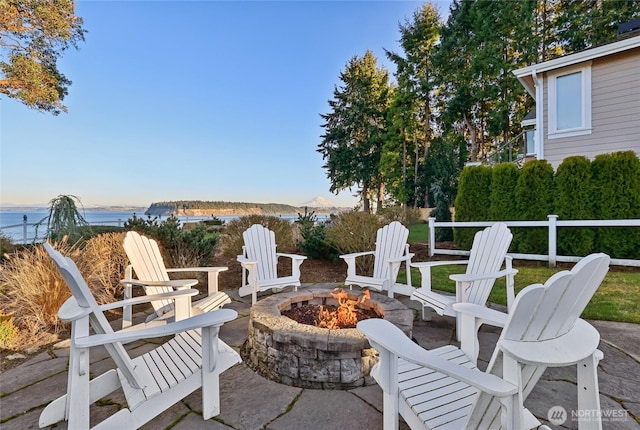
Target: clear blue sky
205,100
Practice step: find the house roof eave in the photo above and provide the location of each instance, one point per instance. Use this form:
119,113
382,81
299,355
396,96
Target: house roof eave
525,74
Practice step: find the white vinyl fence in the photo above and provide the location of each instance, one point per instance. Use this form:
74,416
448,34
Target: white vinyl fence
551,224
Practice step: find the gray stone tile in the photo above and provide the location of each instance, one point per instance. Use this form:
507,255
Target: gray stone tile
27,374
247,400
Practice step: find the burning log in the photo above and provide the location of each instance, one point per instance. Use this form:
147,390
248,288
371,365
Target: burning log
346,314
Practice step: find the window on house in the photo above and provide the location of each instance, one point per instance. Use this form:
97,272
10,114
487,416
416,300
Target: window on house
570,103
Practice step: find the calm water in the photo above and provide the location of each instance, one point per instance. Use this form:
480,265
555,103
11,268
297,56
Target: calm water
11,222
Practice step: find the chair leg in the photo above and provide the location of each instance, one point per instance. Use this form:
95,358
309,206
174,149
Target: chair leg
210,376
588,393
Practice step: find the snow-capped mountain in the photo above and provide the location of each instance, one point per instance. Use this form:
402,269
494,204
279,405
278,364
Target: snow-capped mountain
318,202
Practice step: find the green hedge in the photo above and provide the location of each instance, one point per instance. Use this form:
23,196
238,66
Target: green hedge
574,201
616,179
606,188
472,202
502,204
534,201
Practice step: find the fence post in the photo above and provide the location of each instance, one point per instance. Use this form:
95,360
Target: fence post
553,238
432,235
24,228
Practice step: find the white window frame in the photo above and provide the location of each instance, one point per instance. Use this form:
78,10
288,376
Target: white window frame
585,127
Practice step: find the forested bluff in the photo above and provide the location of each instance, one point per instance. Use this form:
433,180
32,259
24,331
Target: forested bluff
220,208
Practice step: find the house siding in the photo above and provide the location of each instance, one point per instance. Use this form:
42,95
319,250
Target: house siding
615,111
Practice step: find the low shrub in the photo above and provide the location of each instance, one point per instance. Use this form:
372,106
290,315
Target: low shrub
6,246
8,332
33,290
102,261
407,216
191,245
313,241
231,241
355,232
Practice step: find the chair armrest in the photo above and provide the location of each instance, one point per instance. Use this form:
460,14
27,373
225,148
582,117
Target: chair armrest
291,256
198,269
207,319
172,295
463,277
383,334
425,269
212,275
176,283
296,262
406,257
356,254
245,262
427,264
487,315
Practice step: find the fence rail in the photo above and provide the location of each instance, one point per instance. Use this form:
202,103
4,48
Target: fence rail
24,237
551,224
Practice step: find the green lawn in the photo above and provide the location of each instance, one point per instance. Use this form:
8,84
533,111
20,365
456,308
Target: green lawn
617,299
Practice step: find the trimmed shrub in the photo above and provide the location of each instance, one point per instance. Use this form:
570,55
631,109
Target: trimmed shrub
574,201
502,202
472,202
313,242
231,241
534,201
616,180
355,232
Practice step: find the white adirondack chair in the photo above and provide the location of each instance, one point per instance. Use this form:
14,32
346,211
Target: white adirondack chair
488,253
391,250
194,358
442,388
259,262
152,275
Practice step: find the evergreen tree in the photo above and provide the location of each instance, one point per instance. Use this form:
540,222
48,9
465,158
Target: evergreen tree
33,36
354,129
412,112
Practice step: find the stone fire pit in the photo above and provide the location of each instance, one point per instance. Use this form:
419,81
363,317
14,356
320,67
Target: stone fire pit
306,356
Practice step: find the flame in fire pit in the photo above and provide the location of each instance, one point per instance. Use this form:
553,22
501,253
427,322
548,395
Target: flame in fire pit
345,315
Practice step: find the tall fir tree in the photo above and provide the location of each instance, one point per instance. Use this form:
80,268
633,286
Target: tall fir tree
354,129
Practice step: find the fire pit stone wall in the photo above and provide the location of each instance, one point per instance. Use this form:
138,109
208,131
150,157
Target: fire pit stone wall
311,357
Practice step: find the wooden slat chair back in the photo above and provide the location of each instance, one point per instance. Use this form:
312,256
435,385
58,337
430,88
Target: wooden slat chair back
147,263
260,246
152,274
487,255
442,388
152,382
259,261
486,258
391,250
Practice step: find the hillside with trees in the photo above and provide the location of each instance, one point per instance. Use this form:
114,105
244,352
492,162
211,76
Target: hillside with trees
221,208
